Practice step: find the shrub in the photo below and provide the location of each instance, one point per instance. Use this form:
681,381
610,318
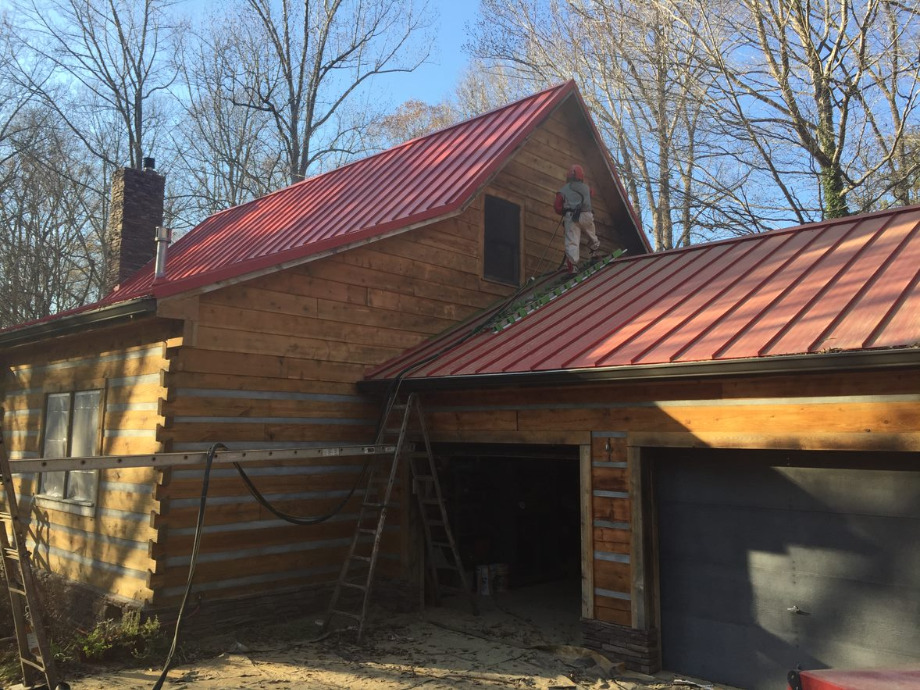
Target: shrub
111,639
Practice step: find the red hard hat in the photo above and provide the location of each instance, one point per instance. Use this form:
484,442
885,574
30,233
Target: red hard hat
576,172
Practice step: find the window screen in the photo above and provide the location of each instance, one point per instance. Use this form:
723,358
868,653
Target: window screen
81,484
57,430
502,243
71,430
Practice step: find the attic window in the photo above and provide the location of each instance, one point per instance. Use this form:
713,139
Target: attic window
501,253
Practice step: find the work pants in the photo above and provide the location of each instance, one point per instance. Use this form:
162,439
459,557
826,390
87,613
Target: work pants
573,232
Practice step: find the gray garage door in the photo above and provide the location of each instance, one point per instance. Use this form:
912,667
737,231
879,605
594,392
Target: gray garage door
771,561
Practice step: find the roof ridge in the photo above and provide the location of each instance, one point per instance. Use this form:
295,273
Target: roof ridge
813,225
570,84
556,87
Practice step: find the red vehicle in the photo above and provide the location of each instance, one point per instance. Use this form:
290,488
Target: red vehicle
840,679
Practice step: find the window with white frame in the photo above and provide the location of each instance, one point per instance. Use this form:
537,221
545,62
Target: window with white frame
71,430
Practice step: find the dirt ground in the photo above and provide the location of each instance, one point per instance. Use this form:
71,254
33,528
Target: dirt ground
513,643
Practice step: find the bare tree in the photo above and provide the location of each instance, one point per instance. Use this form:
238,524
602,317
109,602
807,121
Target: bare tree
486,86
306,64
225,152
636,74
820,93
114,51
411,120
13,99
49,251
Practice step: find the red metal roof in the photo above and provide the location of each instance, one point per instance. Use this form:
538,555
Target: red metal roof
418,181
848,284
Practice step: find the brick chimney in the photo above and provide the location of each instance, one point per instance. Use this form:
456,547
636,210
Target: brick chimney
136,211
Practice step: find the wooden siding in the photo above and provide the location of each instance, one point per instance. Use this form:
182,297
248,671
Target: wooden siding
274,361
108,545
853,411
244,547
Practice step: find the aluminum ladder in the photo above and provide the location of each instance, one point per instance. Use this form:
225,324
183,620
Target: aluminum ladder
35,658
357,573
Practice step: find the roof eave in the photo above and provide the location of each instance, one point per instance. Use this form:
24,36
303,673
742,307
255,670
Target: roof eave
760,366
74,323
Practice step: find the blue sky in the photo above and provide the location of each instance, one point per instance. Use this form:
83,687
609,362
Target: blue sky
435,80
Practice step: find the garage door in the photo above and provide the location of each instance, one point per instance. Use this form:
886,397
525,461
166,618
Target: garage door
773,561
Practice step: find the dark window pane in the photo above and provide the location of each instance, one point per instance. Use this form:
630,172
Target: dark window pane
502,250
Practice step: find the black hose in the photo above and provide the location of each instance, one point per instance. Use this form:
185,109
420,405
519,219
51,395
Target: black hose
302,519
194,558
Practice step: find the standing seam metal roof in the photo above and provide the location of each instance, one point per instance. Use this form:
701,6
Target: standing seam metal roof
848,284
420,180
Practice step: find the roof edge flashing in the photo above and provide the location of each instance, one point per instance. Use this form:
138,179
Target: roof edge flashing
73,323
814,363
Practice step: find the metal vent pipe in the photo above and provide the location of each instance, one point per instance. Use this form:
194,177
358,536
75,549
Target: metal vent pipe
163,238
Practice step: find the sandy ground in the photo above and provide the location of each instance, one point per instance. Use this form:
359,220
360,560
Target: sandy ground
511,644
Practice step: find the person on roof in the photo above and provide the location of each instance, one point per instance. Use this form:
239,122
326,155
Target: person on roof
573,203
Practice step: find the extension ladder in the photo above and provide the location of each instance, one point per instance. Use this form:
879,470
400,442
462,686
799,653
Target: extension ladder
35,656
360,563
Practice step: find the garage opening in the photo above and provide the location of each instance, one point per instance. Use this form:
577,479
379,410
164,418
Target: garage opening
515,513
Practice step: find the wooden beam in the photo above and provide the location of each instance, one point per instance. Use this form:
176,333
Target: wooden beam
192,458
587,533
638,550
894,442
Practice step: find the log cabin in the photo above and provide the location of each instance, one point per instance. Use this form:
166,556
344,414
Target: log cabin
265,319
716,446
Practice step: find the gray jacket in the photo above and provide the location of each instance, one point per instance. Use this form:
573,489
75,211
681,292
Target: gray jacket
576,193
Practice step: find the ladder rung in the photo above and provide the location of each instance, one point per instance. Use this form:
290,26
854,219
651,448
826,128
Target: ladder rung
354,585
366,530
399,406
6,516
356,616
365,559
11,553
442,544
17,590
34,664
378,506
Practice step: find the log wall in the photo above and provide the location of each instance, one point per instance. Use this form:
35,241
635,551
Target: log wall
108,545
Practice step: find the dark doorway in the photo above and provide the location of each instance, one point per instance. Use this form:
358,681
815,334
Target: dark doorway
518,508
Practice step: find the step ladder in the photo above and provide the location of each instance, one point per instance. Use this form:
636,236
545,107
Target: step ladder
442,557
357,574
35,658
